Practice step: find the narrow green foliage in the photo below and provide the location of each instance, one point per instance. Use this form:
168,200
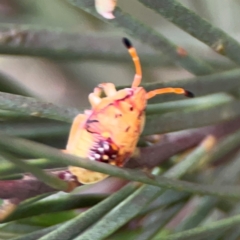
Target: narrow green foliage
35,130
8,168
169,197
191,118
155,124
147,207
7,84
47,178
61,203
121,214
224,146
200,86
50,43
26,146
86,219
205,231
132,206
198,27
177,171
37,234
206,204
147,35
201,102
33,107
157,221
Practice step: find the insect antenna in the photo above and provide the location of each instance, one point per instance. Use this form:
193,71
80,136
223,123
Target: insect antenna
138,75
155,92
132,51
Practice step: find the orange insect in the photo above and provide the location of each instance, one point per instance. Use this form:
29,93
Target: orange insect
109,132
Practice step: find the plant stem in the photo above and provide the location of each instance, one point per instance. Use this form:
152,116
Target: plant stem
47,178
205,230
22,146
198,27
34,107
191,118
148,36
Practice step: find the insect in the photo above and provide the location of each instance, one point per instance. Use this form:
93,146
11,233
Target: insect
109,132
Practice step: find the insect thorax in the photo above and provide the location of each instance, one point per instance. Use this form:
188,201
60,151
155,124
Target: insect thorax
123,119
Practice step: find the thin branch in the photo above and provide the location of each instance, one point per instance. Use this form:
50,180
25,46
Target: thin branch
201,102
35,129
83,221
155,124
148,36
200,86
23,189
177,142
204,231
214,83
192,118
16,191
37,234
228,175
132,206
206,204
8,168
45,177
120,214
9,115
25,146
155,222
61,203
8,84
225,145
28,40
167,198
198,27
34,107
150,156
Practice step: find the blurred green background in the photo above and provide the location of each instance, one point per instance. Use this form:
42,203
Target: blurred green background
66,79
69,82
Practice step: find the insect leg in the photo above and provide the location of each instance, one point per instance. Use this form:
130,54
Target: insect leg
94,98
153,93
132,51
108,88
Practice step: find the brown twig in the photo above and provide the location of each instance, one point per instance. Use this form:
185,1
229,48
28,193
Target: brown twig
177,142
19,190
15,191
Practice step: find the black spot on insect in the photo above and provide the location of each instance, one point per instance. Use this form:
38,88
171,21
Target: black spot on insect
88,124
89,131
127,129
92,121
131,108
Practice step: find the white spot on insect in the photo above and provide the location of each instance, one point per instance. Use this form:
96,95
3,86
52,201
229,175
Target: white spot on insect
97,156
92,158
68,176
113,156
101,150
106,146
